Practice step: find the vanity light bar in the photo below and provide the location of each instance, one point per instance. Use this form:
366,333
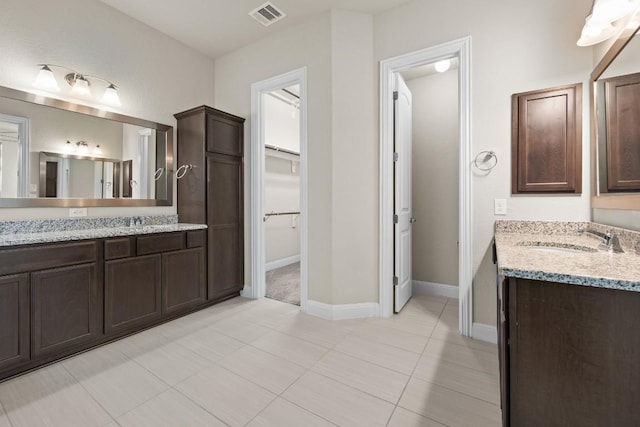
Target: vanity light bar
80,84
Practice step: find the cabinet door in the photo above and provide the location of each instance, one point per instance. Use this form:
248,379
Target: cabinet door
546,147
224,133
183,283
225,221
14,318
64,309
132,292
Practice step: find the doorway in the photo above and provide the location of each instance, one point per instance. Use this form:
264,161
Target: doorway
275,209
389,70
282,194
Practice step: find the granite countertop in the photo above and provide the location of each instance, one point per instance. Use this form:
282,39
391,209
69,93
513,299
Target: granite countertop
29,238
517,256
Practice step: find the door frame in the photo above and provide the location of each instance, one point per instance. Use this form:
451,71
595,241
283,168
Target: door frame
460,48
24,129
258,288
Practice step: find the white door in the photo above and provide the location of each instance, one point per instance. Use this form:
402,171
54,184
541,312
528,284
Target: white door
402,194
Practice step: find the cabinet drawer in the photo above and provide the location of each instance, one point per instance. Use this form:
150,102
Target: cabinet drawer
196,239
158,243
46,256
118,248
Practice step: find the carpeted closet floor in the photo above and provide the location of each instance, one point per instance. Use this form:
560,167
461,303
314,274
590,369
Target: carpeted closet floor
283,284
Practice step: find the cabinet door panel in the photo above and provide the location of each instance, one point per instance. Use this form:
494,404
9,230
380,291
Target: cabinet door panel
64,308
183,280
224,136
132,292
14,318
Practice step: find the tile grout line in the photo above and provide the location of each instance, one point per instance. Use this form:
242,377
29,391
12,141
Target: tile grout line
4,410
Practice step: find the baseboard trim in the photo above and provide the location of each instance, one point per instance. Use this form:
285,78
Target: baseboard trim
343,311
484,332
439,289
247,292
283,262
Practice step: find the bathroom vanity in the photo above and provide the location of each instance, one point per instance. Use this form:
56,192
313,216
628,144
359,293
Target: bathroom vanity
67,291
568,325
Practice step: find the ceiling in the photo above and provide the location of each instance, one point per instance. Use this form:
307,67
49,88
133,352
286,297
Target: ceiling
216,27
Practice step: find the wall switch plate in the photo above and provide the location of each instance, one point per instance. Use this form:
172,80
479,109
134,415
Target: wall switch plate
500,207
77,212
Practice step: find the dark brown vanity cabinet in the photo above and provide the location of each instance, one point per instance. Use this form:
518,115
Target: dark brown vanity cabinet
569,355
14,319
154,275
60,298
546,141
50,301
210,153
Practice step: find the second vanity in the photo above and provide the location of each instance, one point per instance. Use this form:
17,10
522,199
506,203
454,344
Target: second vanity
65,291
568,324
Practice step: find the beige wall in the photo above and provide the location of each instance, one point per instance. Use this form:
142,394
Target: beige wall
306,45
435,177
516,46
157,75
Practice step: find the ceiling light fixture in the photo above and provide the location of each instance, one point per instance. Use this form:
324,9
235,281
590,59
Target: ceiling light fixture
598,25
442,66
80,84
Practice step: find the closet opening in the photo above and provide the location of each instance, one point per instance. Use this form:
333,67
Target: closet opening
282,194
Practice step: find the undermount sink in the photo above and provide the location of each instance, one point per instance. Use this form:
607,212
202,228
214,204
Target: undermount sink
552,247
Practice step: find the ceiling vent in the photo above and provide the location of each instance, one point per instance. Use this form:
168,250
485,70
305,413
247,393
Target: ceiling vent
267,14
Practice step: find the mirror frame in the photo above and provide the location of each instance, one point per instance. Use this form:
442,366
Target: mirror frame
608,200
28,202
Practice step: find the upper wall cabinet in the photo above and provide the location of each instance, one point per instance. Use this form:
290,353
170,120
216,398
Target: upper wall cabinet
546,141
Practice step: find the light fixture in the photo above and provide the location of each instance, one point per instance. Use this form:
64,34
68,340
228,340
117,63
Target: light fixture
46,80
83,147
442,66
98,150
599,26
111,96
81,84
68,147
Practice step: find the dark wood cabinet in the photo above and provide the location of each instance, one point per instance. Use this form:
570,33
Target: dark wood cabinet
132,293
183,280
14,320
210,143
64,308
622,112
572,355
546,141
60,298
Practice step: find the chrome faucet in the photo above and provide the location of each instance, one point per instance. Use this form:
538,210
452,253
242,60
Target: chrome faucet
611,242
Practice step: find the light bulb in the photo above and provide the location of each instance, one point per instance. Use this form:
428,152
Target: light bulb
111,97
46,80
442,66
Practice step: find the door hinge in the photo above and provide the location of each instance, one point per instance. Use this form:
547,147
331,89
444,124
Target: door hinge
395,219
396,156
395,280
395,95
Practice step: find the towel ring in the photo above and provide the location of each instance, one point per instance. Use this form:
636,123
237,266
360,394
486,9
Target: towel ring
182,171
158,174
484,158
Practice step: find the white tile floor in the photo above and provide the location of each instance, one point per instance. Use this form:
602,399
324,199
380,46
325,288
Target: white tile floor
263,363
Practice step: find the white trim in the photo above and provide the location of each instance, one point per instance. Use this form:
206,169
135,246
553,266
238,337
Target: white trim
430,288
485,333
258,287
343,311
247,291
461,49
282,262
24,128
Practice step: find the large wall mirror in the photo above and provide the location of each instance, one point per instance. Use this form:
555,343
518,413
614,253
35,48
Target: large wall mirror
615,106
55,153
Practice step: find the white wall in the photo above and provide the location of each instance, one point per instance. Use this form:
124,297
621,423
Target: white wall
435,177
281,124
281,194
9,165
157,75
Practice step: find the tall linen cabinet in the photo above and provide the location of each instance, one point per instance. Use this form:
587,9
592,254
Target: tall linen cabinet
210,191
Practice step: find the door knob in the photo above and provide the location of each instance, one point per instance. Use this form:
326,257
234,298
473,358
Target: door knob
412,220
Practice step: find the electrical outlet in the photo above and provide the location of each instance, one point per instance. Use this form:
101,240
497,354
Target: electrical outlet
500,207
77,212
